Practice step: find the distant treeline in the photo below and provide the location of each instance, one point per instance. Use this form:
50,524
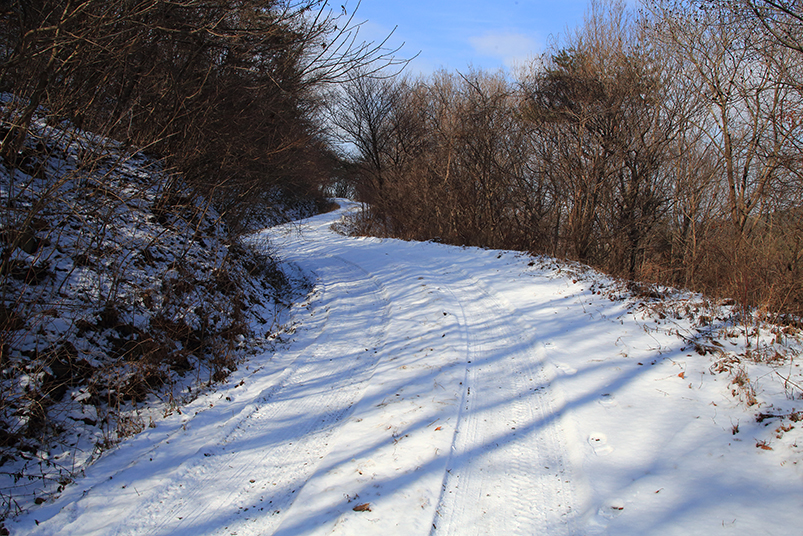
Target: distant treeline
663,146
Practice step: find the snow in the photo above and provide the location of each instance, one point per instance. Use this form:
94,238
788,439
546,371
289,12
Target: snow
432,389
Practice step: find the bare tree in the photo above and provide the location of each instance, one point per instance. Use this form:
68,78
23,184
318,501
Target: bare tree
606,133
364,117
750,111
782,20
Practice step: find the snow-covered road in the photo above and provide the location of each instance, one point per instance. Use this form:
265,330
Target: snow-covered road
440,390
451,429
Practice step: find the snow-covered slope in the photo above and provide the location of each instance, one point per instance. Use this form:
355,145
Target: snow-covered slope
119,285
431,389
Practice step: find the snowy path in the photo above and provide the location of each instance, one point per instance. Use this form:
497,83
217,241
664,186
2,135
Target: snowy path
440,390
453,436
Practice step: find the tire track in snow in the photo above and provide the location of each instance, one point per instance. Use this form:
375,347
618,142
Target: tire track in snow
356,383
396,467
506,473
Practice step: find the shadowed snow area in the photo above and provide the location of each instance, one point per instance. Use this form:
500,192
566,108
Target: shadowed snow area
432,389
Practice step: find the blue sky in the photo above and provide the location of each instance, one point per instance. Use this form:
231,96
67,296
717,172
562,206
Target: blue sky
454,34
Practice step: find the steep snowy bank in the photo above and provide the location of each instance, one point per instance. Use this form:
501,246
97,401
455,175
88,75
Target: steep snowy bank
118,286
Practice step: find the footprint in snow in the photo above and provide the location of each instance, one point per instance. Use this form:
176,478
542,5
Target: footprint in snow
607,400
613,509
599,443
565,370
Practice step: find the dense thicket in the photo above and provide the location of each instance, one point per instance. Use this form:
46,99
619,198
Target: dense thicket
663,146
226,90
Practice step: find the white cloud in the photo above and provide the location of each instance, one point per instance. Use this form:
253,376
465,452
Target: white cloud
510,47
